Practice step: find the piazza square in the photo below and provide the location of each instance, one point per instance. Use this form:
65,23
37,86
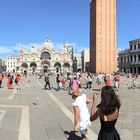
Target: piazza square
69,70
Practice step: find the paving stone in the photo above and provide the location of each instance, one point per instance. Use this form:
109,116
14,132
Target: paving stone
126,134
136,138
136,132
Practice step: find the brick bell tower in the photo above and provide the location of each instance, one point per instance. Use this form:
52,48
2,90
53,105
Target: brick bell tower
103,36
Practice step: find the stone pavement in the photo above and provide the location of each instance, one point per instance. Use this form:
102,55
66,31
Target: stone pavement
36,114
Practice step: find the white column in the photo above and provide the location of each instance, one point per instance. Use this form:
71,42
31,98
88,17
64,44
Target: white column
123,59
132,47
133,58
137,58
129,58
136,46
136,69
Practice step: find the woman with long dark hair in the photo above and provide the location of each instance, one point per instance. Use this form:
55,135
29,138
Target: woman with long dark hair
108,111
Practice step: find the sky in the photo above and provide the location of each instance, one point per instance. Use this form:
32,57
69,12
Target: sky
29,22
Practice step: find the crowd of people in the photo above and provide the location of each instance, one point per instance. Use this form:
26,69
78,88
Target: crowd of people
108,108
12,79
79,80
73,81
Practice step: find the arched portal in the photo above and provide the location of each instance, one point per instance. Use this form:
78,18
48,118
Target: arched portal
24,65
66,66
45,65
45,56
33,66
57,66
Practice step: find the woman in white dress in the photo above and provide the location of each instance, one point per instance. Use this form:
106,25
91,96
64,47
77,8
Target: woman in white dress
81,113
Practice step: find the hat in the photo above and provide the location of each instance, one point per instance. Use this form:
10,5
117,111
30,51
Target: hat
76,93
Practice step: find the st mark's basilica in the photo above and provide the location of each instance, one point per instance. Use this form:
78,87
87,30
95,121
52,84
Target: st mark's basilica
45,58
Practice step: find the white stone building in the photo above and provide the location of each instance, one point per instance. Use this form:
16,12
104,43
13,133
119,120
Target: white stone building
129,59
85,56
12,64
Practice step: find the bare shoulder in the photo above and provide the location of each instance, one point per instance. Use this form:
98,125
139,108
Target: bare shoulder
114,115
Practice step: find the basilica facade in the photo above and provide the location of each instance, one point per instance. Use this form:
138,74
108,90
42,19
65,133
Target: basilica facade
46,59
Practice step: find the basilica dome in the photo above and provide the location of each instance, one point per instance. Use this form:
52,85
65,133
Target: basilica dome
48,45
33,50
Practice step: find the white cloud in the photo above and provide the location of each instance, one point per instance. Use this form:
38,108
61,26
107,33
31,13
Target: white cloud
5,50
27,46
12,50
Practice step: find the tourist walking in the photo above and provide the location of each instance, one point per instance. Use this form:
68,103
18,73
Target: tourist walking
108,112
81,113
117,81
107,80
136,76
47,82
133,80
17,81
80,82
100,80
58,82
9,81
89,81
1,78
74,84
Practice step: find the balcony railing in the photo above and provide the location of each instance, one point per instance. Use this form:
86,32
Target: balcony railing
129,63
135,51
124,51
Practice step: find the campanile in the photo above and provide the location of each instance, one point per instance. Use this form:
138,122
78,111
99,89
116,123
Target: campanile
103,36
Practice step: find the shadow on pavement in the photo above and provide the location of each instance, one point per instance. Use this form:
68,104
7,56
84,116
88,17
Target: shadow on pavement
131,88
71,135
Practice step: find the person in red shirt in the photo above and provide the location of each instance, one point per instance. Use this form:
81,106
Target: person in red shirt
1,78
107,80
17,81
117,81
136,75
9,81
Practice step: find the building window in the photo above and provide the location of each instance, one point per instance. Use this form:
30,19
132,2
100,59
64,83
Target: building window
128,59
131,69
135,47
134,58
131,47
138,57
138,46
131,58
124,59
121,60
